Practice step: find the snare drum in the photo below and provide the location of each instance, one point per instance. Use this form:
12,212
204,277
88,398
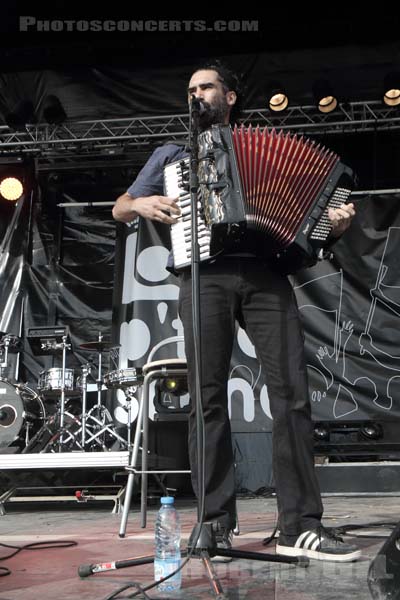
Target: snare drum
22,413
123,378
50,383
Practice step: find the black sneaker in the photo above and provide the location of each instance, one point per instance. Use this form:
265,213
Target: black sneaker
320,544
223,539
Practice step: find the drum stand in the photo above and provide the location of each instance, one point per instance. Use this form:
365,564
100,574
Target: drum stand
86,368
129,395
99,414
65,345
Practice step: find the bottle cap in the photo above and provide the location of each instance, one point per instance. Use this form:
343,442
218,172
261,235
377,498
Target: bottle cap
167,500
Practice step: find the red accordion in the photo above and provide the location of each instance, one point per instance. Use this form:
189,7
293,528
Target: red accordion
269,192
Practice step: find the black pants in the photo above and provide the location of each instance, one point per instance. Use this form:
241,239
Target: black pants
263,302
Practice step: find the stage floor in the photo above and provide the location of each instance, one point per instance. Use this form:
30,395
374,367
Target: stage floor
51,574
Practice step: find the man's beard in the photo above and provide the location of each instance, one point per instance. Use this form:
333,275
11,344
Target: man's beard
214,114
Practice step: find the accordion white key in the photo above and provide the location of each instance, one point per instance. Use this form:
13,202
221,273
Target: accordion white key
176,178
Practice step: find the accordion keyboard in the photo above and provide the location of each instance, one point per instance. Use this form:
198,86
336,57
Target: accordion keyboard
176,185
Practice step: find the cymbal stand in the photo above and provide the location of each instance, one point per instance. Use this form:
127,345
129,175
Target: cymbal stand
103,418
85,372
65,346
100,378
129,395
104,426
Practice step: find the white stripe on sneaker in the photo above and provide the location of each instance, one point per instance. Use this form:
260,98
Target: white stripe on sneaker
301,538
316,544
307,539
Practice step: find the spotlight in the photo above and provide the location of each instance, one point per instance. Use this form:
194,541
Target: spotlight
173,385
323,96
17,175
371,431
23,114
169,392
391,84
277,97
53,110
11,188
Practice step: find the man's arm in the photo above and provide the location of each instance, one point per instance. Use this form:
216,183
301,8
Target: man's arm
156,208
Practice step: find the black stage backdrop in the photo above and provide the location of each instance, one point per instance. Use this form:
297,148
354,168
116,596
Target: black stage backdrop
68,267
57,266
349,304
151,84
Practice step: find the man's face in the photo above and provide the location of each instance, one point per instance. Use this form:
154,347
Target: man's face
205,86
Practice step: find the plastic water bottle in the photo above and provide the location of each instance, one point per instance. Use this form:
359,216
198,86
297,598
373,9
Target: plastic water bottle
167,556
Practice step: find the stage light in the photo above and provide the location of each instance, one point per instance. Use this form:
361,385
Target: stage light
169,393
391,96
277,97
11,188
371,431
53,110
22,115
324,97
17,176
173,385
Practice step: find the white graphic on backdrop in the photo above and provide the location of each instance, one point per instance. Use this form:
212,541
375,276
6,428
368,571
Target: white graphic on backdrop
155,262
386,295
246,389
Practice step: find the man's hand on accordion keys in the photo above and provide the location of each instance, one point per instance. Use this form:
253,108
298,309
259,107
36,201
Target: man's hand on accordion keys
341,218
157,208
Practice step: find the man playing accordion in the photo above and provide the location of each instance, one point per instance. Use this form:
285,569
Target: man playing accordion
243,287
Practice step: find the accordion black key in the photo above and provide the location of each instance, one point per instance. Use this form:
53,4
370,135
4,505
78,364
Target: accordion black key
269,193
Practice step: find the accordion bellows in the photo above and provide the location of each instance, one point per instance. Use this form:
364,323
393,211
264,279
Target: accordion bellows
281,176
274,187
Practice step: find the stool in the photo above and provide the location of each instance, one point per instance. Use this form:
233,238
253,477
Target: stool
152,370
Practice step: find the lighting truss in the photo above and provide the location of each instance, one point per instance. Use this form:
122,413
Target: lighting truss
103,137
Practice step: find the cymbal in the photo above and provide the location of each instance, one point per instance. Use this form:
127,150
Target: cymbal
101,346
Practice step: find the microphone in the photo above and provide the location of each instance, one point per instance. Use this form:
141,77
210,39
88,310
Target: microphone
196,105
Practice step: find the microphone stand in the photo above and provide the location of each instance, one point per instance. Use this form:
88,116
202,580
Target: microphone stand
194,117
202,539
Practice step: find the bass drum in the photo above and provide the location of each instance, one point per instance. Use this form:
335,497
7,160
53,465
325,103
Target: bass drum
22,413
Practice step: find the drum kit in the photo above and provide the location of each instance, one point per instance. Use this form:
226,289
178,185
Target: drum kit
61,415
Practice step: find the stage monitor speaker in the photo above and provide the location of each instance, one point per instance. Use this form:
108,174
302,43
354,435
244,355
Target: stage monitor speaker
384,570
